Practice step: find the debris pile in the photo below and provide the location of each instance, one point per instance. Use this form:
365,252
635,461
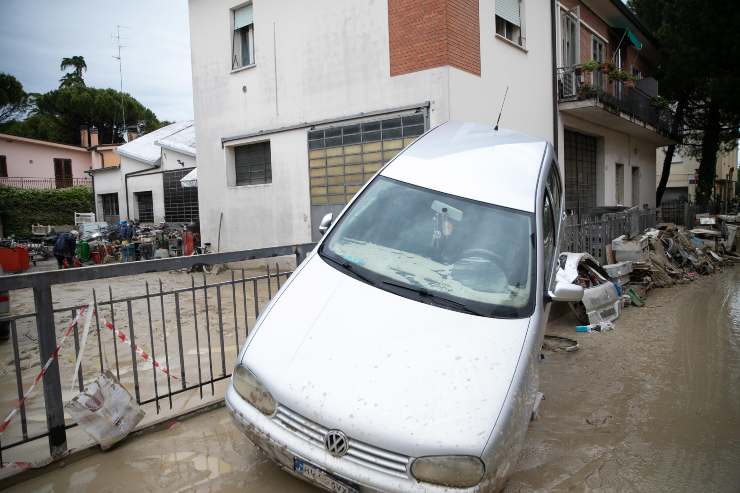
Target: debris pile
659,257
103,243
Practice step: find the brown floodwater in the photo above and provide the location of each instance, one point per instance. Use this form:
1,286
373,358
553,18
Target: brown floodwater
652,406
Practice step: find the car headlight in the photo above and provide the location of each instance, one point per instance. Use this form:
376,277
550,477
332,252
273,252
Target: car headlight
247,386
457,471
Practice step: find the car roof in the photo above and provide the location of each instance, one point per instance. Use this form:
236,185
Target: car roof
474,161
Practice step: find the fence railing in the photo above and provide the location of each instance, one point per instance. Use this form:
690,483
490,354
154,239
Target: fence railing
193,329
593,234
617,96
44,183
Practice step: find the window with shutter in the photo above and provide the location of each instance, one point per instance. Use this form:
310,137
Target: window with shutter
242,45
252,164
63,172
3,167
509,23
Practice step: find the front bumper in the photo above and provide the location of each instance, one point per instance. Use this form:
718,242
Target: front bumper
282,445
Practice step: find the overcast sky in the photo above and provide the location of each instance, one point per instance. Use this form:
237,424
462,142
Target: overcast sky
36,34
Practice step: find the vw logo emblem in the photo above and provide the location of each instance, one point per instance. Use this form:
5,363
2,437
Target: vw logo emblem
336,443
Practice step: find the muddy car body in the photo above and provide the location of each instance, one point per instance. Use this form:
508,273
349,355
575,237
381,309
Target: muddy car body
402,353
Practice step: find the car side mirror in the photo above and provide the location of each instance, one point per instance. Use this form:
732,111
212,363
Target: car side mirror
326,222
565,291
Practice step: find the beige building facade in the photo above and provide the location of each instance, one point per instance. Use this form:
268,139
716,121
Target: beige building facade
685,173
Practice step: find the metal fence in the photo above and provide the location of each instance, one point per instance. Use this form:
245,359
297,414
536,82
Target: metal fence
193,331
679,212
43,183
593,234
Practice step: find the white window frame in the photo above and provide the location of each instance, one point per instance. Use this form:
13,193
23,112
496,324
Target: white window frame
599,78
572,17
511,32
236,51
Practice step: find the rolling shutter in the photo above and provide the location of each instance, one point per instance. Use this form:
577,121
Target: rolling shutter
509,10
252,164
243,17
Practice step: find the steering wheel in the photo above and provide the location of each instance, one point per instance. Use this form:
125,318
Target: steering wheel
482,252
482,281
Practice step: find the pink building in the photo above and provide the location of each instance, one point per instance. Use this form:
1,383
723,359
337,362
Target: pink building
32,163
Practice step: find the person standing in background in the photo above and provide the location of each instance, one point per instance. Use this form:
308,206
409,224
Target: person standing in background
64,248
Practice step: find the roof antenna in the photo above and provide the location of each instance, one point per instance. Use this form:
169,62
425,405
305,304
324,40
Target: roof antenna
502,109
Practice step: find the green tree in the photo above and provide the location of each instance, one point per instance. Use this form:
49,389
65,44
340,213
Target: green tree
14,101
74,78
698,75
58,115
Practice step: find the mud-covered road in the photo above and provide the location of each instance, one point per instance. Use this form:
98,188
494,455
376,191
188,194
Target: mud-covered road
651,406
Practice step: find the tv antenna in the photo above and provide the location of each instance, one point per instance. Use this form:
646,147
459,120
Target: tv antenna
502,109
117,38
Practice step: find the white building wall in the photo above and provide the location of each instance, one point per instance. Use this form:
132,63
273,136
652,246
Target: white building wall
141,183
326,60
176,160
108,181
615,147
526,71
298,76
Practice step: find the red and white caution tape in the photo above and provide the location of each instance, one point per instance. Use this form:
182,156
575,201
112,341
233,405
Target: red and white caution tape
43,371
142,354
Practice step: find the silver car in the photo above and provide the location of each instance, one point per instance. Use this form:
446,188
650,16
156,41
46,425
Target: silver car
402,354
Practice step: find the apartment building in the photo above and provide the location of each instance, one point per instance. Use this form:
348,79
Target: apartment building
610,124
297,104
684,176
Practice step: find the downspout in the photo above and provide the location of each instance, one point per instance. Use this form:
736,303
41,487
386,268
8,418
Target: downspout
94,199
553,42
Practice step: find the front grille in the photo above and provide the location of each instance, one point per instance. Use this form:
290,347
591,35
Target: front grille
358,452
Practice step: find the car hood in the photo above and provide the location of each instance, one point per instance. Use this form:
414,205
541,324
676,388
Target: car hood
405,376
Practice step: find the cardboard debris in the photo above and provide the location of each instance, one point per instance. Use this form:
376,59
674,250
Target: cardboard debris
105,410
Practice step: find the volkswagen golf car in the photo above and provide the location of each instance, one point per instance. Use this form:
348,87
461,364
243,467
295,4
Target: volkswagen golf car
402,354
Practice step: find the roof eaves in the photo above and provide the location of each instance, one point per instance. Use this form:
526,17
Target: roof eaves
187,150
42,142
150,162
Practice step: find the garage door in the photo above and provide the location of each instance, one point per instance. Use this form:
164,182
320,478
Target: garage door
342,158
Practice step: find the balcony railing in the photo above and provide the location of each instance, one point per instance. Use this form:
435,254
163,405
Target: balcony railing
575,84
43,183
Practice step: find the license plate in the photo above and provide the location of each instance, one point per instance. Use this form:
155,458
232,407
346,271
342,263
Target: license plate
321,477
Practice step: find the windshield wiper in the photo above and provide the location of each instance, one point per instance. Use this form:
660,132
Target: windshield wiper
425,293
346,266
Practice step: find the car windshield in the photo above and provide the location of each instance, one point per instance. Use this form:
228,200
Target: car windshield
436,248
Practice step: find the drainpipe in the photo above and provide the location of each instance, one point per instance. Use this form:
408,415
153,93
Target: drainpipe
94,200
125,182
554,42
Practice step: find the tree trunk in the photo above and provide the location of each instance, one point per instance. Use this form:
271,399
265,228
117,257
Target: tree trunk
709,148
665,173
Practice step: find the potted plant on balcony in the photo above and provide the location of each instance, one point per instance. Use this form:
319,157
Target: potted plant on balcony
586,91
607,67
590,66
619,75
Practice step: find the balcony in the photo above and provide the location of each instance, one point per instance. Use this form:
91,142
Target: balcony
623,106
44,183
